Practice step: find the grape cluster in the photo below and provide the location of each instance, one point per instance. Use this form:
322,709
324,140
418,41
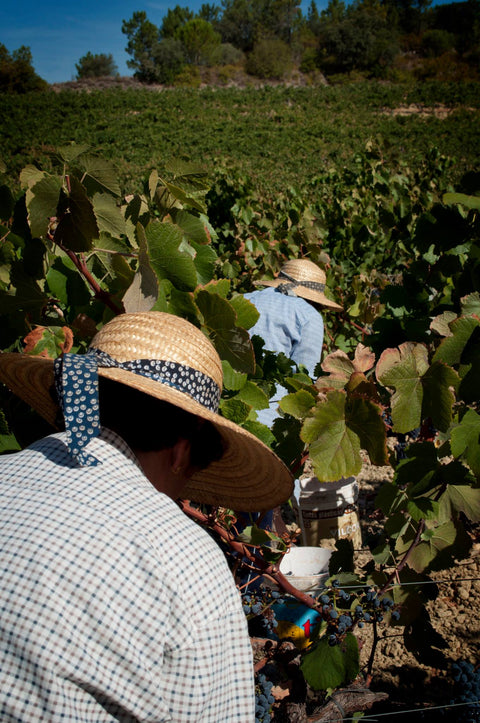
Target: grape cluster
263,699
257,605
467,690
342,613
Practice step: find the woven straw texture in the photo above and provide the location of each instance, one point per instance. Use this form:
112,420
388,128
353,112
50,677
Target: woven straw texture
303,270
249,476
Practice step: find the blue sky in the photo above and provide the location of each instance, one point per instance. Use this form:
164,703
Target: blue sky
60,33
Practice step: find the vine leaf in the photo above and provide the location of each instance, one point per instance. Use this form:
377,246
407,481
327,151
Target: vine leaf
330,666
252,395
298,404
334,448
142,293
439,546
231,341
100,175
421,391
49,341
168,262
466,440
108,214
462,498
402,370
77,227
42,201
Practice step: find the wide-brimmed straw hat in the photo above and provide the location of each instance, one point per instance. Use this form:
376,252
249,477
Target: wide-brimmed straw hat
167,357
303,278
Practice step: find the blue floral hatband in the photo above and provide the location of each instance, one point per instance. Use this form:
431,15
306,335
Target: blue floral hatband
76,383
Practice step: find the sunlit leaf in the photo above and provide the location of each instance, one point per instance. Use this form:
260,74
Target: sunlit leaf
330,666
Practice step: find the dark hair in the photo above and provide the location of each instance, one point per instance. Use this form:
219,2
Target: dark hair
149,424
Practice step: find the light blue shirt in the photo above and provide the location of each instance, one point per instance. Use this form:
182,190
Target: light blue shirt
291,325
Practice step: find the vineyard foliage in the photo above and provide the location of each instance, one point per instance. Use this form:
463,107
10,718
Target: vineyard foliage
401,248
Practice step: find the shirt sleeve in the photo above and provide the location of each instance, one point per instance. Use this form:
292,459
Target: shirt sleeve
308,349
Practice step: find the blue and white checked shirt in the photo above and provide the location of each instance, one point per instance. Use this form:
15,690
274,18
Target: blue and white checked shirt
114,605
291,325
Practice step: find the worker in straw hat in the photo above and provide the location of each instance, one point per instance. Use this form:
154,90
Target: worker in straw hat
290,322
116,605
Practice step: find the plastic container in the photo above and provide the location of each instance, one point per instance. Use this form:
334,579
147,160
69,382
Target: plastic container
327,511
306,567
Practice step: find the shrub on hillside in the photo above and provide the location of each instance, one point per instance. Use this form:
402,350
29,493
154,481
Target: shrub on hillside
270,58
436,42
96,66
17,74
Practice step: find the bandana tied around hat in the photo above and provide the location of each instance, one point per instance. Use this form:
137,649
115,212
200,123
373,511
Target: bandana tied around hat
76,383
291,284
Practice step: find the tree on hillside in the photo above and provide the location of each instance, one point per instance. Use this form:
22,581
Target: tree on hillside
238,23
154,59
96,66
143,39
174,20
360,40
199,40
209,12
17,74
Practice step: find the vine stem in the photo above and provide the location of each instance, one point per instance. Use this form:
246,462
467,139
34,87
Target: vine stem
81,266
267,569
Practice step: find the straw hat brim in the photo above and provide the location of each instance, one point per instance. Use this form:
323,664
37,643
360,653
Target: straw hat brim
248,477
304,292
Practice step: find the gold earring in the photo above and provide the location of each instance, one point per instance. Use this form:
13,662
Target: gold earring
176,470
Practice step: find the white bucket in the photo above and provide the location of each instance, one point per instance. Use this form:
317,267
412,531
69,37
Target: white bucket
306,567
327,511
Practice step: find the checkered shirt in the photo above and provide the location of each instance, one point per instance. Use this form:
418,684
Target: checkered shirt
114,605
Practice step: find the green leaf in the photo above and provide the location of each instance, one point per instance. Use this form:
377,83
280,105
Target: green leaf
465,440
232,380
101,175
77,227
330,666
364,417
451,349
8,443
461,498
220,287
389,498
204,260
42,200
185,199
261,431
247,314
423,509
438,397
463,199
298,404
193,227
471,304
334,448
439,545
72,151
235,410
66,284
402,369
231,342
108,214
168,262
251,394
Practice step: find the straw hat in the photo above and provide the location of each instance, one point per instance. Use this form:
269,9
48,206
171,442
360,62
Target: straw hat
302,278
249,476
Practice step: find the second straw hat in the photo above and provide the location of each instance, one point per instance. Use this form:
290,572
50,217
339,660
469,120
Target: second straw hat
303,278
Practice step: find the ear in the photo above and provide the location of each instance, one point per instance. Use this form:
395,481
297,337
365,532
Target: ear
180,455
